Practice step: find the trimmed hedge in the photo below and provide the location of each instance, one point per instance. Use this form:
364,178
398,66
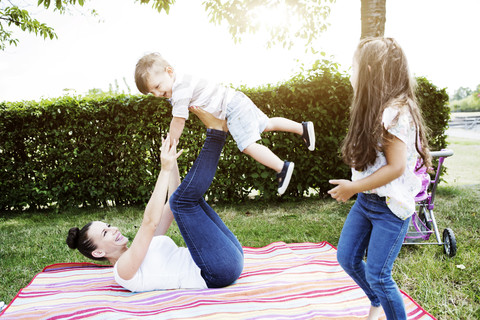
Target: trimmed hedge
435,110
94,151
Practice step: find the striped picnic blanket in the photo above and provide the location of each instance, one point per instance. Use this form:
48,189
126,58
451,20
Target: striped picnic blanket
280,281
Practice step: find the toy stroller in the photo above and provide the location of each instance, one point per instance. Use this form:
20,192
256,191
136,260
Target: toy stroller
423,222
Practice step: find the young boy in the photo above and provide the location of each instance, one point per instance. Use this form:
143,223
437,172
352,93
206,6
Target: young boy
245,121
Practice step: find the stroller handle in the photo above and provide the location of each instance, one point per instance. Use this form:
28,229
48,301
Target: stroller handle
443,153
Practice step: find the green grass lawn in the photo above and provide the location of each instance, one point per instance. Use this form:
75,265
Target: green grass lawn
29,241
463,167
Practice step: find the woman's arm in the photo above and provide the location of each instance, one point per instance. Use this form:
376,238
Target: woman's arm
167,216
130,261
396,154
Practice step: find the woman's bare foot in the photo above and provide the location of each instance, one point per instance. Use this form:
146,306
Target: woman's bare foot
374,313
209,120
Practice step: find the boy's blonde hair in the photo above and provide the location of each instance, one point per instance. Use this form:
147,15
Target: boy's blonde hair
148,64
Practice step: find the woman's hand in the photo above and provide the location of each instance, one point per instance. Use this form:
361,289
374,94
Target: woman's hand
169,153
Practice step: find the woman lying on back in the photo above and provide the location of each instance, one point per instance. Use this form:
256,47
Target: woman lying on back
213,257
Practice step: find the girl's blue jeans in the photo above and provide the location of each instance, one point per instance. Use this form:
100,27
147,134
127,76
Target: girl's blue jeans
214,248
370,224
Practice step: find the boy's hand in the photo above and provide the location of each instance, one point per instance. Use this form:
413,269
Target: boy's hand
169,153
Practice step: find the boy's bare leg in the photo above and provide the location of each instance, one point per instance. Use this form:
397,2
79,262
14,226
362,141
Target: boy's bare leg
304,129
209,120
284,124
265,156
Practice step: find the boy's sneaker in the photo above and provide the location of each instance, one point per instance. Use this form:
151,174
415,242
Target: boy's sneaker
309,135
284,176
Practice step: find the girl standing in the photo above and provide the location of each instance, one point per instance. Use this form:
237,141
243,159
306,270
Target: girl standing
386,136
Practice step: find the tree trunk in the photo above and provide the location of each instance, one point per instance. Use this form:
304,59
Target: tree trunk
373,18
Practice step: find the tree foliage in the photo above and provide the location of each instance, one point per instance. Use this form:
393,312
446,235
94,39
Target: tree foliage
465,99
14,17
461,93
286,21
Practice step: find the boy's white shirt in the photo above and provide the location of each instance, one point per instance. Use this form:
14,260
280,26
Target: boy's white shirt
188,90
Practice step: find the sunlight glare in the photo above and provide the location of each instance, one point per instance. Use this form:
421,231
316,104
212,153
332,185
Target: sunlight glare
271,17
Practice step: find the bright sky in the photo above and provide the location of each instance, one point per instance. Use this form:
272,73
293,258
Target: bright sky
440,38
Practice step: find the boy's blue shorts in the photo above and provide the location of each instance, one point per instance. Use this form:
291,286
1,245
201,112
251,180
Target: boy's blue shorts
245,121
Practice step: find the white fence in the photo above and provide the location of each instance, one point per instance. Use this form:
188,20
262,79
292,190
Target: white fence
465,122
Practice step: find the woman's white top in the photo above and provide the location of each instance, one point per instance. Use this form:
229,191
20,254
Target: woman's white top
400,193
165,266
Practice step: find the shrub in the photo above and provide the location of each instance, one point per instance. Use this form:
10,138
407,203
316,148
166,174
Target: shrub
104,150
468,104
434,105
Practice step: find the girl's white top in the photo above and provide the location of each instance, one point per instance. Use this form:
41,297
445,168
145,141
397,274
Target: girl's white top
400,193
166,266
188,90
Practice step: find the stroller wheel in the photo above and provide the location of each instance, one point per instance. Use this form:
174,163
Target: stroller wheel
449,243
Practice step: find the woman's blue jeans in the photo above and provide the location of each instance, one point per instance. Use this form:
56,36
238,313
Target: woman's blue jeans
214,248
371,224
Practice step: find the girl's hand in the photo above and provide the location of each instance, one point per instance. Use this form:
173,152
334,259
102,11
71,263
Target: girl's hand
343,191
169,153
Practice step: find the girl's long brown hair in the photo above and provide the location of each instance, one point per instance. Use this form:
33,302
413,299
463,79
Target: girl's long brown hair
382,79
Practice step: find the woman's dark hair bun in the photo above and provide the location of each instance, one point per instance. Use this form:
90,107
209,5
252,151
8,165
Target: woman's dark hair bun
72,238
